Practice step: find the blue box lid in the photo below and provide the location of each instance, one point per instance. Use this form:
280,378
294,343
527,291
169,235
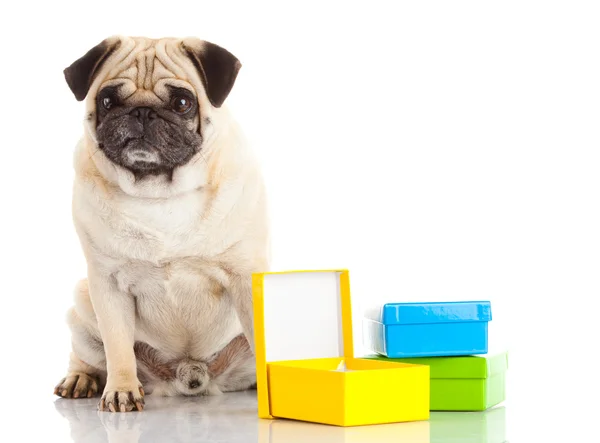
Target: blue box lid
435,312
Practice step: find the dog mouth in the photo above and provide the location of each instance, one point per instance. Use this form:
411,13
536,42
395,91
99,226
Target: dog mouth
148,154
139,154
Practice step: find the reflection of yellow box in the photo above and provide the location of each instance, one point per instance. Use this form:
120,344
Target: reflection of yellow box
305,362
290,431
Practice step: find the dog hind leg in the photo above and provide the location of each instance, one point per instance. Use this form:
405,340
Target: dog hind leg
233,368
86,372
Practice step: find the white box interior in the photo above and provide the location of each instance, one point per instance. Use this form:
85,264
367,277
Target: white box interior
302,316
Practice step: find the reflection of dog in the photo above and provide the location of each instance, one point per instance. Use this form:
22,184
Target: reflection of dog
170,209
171,419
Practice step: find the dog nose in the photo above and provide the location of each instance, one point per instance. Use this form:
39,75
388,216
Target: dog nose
194,384
143,113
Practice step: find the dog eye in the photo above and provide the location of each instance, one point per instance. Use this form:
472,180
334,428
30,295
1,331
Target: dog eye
107,102
108,98
181,104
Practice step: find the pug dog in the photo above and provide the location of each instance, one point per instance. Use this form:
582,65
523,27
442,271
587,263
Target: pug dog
170,208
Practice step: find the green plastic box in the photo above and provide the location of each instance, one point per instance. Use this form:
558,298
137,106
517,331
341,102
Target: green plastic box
465,383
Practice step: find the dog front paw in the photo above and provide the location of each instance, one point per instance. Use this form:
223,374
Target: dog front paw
122,398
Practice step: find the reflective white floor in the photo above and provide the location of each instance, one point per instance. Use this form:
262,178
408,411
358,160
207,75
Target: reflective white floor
232,418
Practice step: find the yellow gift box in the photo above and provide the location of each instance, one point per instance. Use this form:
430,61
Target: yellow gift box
305,365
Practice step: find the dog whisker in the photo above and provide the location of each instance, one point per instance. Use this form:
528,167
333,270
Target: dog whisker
201,156
94,153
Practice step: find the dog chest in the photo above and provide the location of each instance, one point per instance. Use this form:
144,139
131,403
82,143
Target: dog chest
171,220
153,230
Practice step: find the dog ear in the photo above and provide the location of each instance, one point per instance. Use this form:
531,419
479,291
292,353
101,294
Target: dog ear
81,73
217,67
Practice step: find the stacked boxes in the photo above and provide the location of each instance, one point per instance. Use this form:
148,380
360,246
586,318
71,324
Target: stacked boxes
429,356
450,338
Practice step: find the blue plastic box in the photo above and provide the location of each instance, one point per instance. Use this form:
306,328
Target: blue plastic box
400,330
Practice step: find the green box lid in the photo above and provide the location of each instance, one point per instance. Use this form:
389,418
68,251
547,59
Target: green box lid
468,366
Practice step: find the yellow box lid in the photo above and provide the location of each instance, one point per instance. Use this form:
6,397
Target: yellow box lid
299,315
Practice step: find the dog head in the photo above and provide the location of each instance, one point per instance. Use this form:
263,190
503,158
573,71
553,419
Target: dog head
150,103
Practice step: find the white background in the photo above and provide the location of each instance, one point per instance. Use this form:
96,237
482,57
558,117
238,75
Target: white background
439,150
